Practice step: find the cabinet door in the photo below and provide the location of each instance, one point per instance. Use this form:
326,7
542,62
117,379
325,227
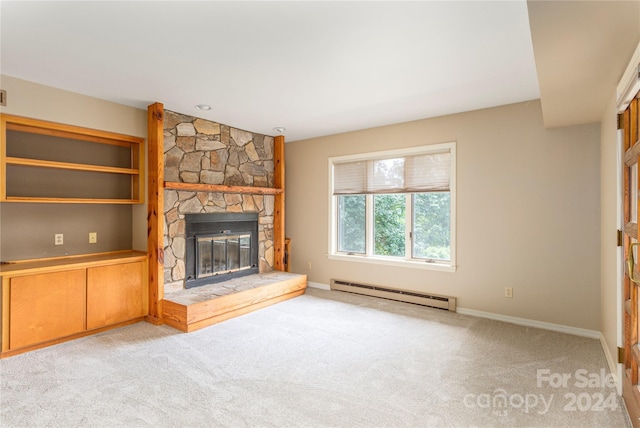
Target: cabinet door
46,307
115,294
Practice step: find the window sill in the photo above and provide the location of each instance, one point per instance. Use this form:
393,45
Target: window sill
392,262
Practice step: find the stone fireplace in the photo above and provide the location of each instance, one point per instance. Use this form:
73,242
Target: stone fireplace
199,151
220,246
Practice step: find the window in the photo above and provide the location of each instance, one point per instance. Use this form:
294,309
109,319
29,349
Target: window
395,207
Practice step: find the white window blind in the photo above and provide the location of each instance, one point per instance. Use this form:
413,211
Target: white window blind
428,172
350,178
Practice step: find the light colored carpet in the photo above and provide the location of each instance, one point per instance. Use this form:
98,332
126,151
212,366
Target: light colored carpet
323,359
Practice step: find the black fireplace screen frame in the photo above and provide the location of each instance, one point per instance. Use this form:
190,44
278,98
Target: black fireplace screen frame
218,225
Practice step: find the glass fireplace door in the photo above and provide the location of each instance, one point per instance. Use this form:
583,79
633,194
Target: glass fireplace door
222,254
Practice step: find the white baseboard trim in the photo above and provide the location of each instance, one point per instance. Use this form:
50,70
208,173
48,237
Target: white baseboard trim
318,285
576,331
612,362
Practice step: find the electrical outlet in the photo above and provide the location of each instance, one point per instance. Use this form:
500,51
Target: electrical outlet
58,239
93,237
508,292
309,265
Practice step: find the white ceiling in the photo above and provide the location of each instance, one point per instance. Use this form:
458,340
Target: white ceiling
319,68
316,68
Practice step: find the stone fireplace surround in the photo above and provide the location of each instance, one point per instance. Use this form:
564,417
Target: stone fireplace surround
204,152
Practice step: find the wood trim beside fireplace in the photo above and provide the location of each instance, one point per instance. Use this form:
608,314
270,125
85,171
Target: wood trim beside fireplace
278,209
155,212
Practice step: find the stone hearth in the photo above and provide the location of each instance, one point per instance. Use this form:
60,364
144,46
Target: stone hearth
192,309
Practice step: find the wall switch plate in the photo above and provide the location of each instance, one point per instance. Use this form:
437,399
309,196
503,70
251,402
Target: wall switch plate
508,292
93,237
58,239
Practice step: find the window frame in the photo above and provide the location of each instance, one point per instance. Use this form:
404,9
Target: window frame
369,257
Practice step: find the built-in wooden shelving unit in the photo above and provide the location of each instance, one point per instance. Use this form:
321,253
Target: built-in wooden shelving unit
51,300
55,163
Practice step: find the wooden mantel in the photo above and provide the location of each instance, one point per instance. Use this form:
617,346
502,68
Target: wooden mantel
155,213
221,188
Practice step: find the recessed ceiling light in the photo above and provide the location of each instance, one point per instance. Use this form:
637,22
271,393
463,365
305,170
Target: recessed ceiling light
280,129
203,107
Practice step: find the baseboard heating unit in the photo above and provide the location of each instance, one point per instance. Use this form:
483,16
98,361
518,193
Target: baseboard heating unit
431,300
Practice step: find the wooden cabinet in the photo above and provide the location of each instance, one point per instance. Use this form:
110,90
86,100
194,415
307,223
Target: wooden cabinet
115,294
49,162
47,301
52,300
45,307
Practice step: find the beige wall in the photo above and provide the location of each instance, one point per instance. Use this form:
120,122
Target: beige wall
608,226
528,205
46,103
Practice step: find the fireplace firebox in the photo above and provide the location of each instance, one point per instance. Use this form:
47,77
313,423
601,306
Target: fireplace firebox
220,246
